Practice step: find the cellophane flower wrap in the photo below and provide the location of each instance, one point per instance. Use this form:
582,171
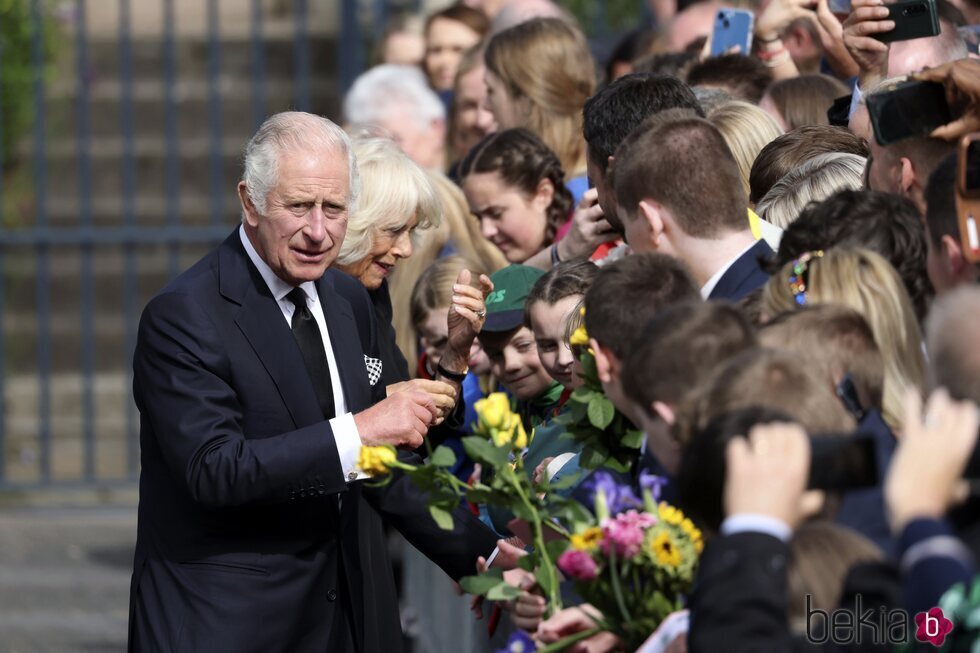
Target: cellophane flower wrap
636,565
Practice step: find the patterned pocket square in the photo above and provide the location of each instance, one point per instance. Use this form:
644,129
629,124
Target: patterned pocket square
373,366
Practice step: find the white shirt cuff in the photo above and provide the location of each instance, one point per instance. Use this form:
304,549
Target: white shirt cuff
348,442
755,523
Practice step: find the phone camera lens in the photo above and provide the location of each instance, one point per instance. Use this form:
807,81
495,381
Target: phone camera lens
726,23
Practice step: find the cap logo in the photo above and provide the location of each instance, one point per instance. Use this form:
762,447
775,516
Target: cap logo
496,297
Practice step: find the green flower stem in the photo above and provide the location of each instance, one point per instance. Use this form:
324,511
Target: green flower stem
617,589
554,596
562,644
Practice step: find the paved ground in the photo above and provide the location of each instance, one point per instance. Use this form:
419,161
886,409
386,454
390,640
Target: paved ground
64,577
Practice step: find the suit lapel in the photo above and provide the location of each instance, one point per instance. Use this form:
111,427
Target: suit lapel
346,345
260,320
731,285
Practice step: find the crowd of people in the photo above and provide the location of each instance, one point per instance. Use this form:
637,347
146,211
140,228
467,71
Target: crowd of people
754,271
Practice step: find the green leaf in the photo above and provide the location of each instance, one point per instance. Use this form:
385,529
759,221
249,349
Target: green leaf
483,451
442,517
483,583
543,579
601,411
632,439
582,395
592,459
503,592
443,456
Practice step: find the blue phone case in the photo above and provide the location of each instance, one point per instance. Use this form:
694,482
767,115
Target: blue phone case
733,27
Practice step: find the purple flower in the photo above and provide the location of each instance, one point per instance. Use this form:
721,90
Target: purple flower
578,565
652,482
618,497
624,534
519,642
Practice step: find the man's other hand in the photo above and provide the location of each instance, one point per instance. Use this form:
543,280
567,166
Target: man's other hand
402,419
443,395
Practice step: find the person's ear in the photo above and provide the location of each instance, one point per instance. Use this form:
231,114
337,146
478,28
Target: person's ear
652,213
907,180
248,208
543,194
665,412
605,361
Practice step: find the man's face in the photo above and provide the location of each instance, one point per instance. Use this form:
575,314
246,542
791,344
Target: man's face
422,144
305,219
607,199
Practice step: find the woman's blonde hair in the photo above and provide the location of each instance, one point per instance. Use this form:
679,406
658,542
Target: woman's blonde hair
868,283
393,190
814,181
547,62
746,129
457,231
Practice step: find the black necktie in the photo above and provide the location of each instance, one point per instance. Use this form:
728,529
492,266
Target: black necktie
310,343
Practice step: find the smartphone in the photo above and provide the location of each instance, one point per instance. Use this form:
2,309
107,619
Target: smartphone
733,27
968,195
914,19
840,8
907,109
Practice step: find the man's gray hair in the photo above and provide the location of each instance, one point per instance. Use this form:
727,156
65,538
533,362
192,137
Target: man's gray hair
387,88
954,358
293,131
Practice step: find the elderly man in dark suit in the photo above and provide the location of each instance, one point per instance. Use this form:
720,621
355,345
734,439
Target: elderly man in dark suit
255,532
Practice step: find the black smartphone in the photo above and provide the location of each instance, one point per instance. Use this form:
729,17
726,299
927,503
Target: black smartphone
843,462
914,19
906,109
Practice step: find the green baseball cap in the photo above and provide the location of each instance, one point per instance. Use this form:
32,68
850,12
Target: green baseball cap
505,305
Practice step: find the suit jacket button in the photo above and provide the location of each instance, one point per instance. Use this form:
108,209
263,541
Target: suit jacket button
331,595
302,494
321,490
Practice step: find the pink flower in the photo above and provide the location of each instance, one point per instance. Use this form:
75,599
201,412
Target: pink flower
578,565
642,520
625,533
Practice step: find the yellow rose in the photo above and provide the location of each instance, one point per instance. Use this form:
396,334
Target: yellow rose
579,337
520,435
375,460
493,411
587,540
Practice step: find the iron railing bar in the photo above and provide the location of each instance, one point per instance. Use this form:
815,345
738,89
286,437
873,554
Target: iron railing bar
170,125
214,114
129,220
258,67
301,58
350,59
3,288
43,289
85,214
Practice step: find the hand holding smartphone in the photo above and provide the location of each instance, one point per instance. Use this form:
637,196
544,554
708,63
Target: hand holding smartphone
733,28
968,195
914,19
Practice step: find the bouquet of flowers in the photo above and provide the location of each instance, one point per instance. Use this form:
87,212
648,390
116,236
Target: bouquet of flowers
608,438
637,566
498,441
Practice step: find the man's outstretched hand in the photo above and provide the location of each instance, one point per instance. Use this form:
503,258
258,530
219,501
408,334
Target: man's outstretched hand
402,419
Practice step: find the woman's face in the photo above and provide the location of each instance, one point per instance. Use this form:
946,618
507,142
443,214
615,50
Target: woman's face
473,119
505,108
445,44
390,245
516,364
509,219
548,322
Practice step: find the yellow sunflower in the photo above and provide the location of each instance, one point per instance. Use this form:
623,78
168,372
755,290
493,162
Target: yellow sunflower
664,550
587,540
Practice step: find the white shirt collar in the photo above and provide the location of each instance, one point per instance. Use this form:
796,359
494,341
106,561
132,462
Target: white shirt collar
277,286
710,284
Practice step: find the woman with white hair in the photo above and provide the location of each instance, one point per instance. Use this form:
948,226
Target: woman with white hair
396,199
814,181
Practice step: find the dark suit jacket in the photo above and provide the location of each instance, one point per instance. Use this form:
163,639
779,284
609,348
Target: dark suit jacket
744,275
241,544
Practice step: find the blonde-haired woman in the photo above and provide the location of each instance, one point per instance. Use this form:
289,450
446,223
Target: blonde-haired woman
396,199
868,283
746,129
814,181
539,75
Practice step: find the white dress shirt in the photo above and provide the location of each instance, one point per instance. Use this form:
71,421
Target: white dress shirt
344,429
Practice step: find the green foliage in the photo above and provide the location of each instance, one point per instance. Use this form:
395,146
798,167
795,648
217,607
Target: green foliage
601,17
